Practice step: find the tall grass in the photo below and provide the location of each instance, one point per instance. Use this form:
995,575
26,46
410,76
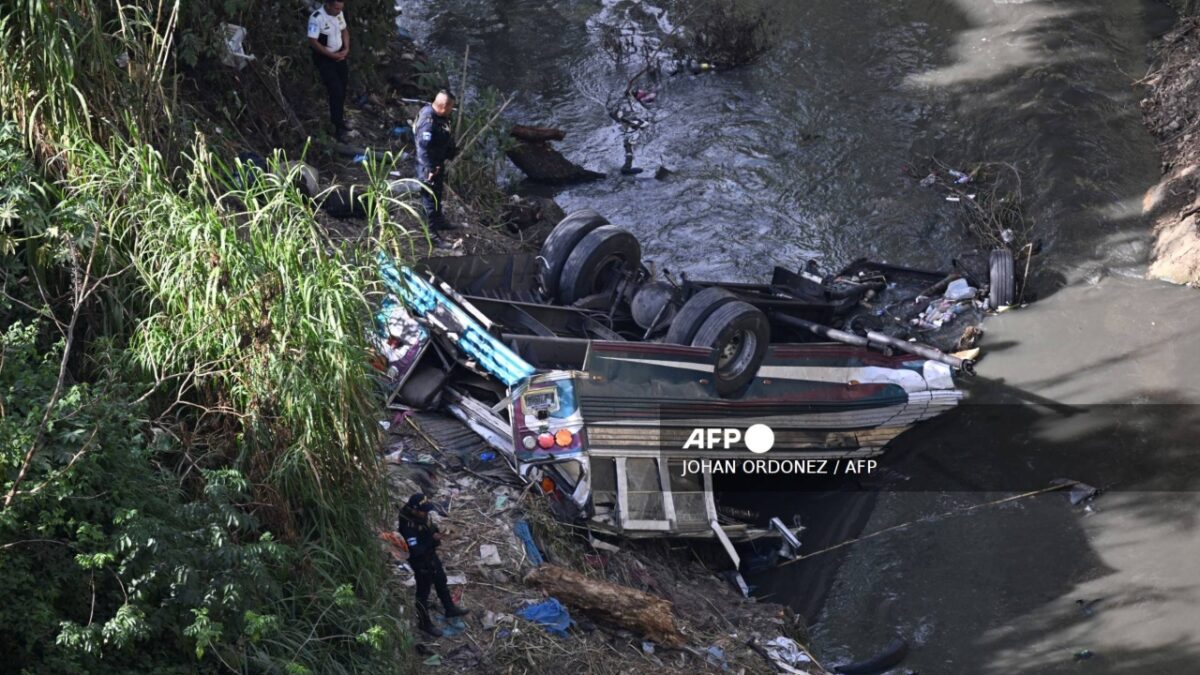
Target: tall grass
242,318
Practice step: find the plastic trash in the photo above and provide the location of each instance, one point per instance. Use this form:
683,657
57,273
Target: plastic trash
489,555
959,289
234,55
716,656
551,615
1081,492
787,654
451,627
929,180
521,529
960,177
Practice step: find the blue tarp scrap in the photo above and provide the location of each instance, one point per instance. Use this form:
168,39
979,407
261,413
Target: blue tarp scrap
450,627
551,615
521,528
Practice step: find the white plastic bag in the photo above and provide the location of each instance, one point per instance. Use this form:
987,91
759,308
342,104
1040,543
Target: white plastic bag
959,289
234,55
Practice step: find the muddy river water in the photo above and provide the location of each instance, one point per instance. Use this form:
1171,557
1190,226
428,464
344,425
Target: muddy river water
800,156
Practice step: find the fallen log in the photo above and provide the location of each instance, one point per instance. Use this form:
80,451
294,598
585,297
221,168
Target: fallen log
544,164
629,608
536,134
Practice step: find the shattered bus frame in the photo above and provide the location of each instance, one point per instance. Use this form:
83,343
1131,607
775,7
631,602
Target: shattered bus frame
602,421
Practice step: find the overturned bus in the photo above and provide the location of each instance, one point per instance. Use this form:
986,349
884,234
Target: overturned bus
593,377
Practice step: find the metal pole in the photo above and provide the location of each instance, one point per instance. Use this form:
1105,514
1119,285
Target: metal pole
874,339
824,331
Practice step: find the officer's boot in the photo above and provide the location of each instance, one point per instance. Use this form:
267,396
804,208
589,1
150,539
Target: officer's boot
452,610
425,623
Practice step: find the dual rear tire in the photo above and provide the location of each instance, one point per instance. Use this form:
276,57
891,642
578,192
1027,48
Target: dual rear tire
585,255
736,331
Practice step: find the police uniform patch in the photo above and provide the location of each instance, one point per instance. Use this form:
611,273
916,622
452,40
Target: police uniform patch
412,541
427,136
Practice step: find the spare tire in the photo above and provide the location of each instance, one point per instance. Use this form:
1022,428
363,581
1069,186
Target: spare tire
738,333
597,263
307,178
1001,290
558,246
694,312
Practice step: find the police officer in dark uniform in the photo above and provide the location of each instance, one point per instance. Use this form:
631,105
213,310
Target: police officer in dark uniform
435,146
423,538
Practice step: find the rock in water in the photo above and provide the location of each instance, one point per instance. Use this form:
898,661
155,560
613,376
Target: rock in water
546,165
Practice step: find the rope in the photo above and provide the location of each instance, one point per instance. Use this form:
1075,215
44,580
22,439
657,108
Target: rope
926,519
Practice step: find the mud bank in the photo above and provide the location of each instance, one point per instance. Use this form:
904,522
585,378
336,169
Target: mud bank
1172,113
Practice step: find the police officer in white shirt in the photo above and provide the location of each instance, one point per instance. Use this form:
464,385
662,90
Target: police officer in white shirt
330,42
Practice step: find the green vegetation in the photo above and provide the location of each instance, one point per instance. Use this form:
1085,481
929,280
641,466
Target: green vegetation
188,467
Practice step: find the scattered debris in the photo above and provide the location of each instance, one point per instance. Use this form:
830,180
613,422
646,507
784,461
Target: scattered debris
787,655
521,528
604,545
234,54
716,656
489,555
1079,492
1086,606
1082,492
549,614
645,96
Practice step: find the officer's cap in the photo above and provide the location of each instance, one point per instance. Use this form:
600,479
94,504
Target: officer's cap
418,502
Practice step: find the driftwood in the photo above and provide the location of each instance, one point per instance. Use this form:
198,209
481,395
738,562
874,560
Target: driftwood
544,164
629,608
536,134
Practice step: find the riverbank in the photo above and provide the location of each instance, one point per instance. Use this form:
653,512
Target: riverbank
489,568
1170,111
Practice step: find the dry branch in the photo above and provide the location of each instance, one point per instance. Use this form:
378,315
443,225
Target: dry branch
536,134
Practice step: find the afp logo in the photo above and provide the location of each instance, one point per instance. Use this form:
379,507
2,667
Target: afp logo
759,438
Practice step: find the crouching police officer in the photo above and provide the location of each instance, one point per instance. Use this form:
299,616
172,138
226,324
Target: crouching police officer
435,147
423,538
